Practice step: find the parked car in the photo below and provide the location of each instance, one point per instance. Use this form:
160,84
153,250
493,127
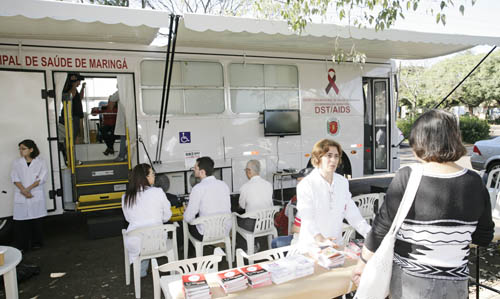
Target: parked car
486,154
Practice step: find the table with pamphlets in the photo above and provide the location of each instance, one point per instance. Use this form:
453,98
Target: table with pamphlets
322,284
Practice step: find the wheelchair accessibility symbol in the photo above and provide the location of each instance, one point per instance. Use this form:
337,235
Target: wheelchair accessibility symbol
184,137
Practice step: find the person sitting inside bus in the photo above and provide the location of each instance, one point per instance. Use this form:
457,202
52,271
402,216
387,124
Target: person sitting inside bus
108,124
209,197
143,205
256,194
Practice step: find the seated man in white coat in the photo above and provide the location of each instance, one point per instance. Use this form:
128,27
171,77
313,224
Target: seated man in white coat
256,194
209,197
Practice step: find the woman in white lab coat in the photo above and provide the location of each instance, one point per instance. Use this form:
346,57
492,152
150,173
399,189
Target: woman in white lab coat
324,200
29,174
143,205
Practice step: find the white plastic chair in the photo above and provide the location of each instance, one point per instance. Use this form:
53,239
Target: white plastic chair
204,264
347,233
291,216
268,255
154,243
493,185
214,232
264,226
366,205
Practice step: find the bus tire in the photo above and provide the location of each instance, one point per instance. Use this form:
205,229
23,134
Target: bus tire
6,227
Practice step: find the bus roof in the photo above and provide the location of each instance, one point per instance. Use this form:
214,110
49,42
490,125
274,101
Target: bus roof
55,20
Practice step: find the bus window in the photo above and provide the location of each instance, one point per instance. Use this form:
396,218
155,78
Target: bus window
255,87
196,87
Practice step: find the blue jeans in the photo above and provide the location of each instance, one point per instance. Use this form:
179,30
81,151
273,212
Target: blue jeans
406,286
281,241
123,147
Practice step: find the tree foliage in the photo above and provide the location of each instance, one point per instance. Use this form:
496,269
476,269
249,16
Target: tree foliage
381,14
218,7
425,87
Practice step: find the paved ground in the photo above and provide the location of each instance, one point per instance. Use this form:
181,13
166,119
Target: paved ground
73,266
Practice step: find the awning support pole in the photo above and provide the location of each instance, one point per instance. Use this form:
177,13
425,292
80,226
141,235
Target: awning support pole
171,66
161,121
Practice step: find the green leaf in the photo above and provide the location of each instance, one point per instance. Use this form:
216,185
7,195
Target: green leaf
408,5
443,19
438,17
442,5
462,9
415,5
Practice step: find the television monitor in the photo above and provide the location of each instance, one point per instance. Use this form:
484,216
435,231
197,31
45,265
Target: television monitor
282,122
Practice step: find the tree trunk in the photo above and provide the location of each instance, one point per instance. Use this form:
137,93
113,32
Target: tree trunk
471,111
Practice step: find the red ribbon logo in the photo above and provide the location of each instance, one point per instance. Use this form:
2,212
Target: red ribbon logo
331,82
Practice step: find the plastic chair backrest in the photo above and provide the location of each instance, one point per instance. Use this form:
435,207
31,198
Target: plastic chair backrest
268,255
214,227
264,219
366,204
493,186
154,238
202,264
347,234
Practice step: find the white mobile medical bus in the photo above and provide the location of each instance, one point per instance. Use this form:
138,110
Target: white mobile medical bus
240,89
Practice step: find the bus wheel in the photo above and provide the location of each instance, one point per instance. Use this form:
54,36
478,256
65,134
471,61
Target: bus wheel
5,230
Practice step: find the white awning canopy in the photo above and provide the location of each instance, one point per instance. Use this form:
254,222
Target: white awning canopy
264,35
56,20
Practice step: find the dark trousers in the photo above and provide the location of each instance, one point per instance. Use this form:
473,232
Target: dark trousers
108,134
28,233
194,232
246,223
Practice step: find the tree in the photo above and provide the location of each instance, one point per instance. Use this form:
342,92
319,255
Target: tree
219,7
483,85
381,14
425,87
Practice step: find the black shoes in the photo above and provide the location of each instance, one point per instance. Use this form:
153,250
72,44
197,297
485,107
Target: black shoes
108,151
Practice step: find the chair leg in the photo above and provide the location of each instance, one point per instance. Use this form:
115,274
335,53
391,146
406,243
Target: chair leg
186,246
229,256
250,245
127,272
199,249
233,247
269,241
137,278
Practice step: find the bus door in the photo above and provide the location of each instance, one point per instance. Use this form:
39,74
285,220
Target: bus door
376,125
23,115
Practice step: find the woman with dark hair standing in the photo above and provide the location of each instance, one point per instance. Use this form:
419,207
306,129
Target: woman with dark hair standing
451,209
28,174
143,205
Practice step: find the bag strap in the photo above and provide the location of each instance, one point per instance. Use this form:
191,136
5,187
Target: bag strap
408,197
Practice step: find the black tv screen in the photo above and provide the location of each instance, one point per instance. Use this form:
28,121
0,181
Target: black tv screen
283,122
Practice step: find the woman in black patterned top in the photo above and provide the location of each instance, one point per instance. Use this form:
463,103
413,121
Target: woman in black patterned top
451,209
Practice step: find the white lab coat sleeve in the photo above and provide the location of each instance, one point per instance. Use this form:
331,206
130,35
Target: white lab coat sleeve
125,209
14,174
243,197
353,216
167,212
42,175
306,207
193,205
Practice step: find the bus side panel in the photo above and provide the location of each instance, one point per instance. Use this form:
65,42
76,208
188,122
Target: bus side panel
22,116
